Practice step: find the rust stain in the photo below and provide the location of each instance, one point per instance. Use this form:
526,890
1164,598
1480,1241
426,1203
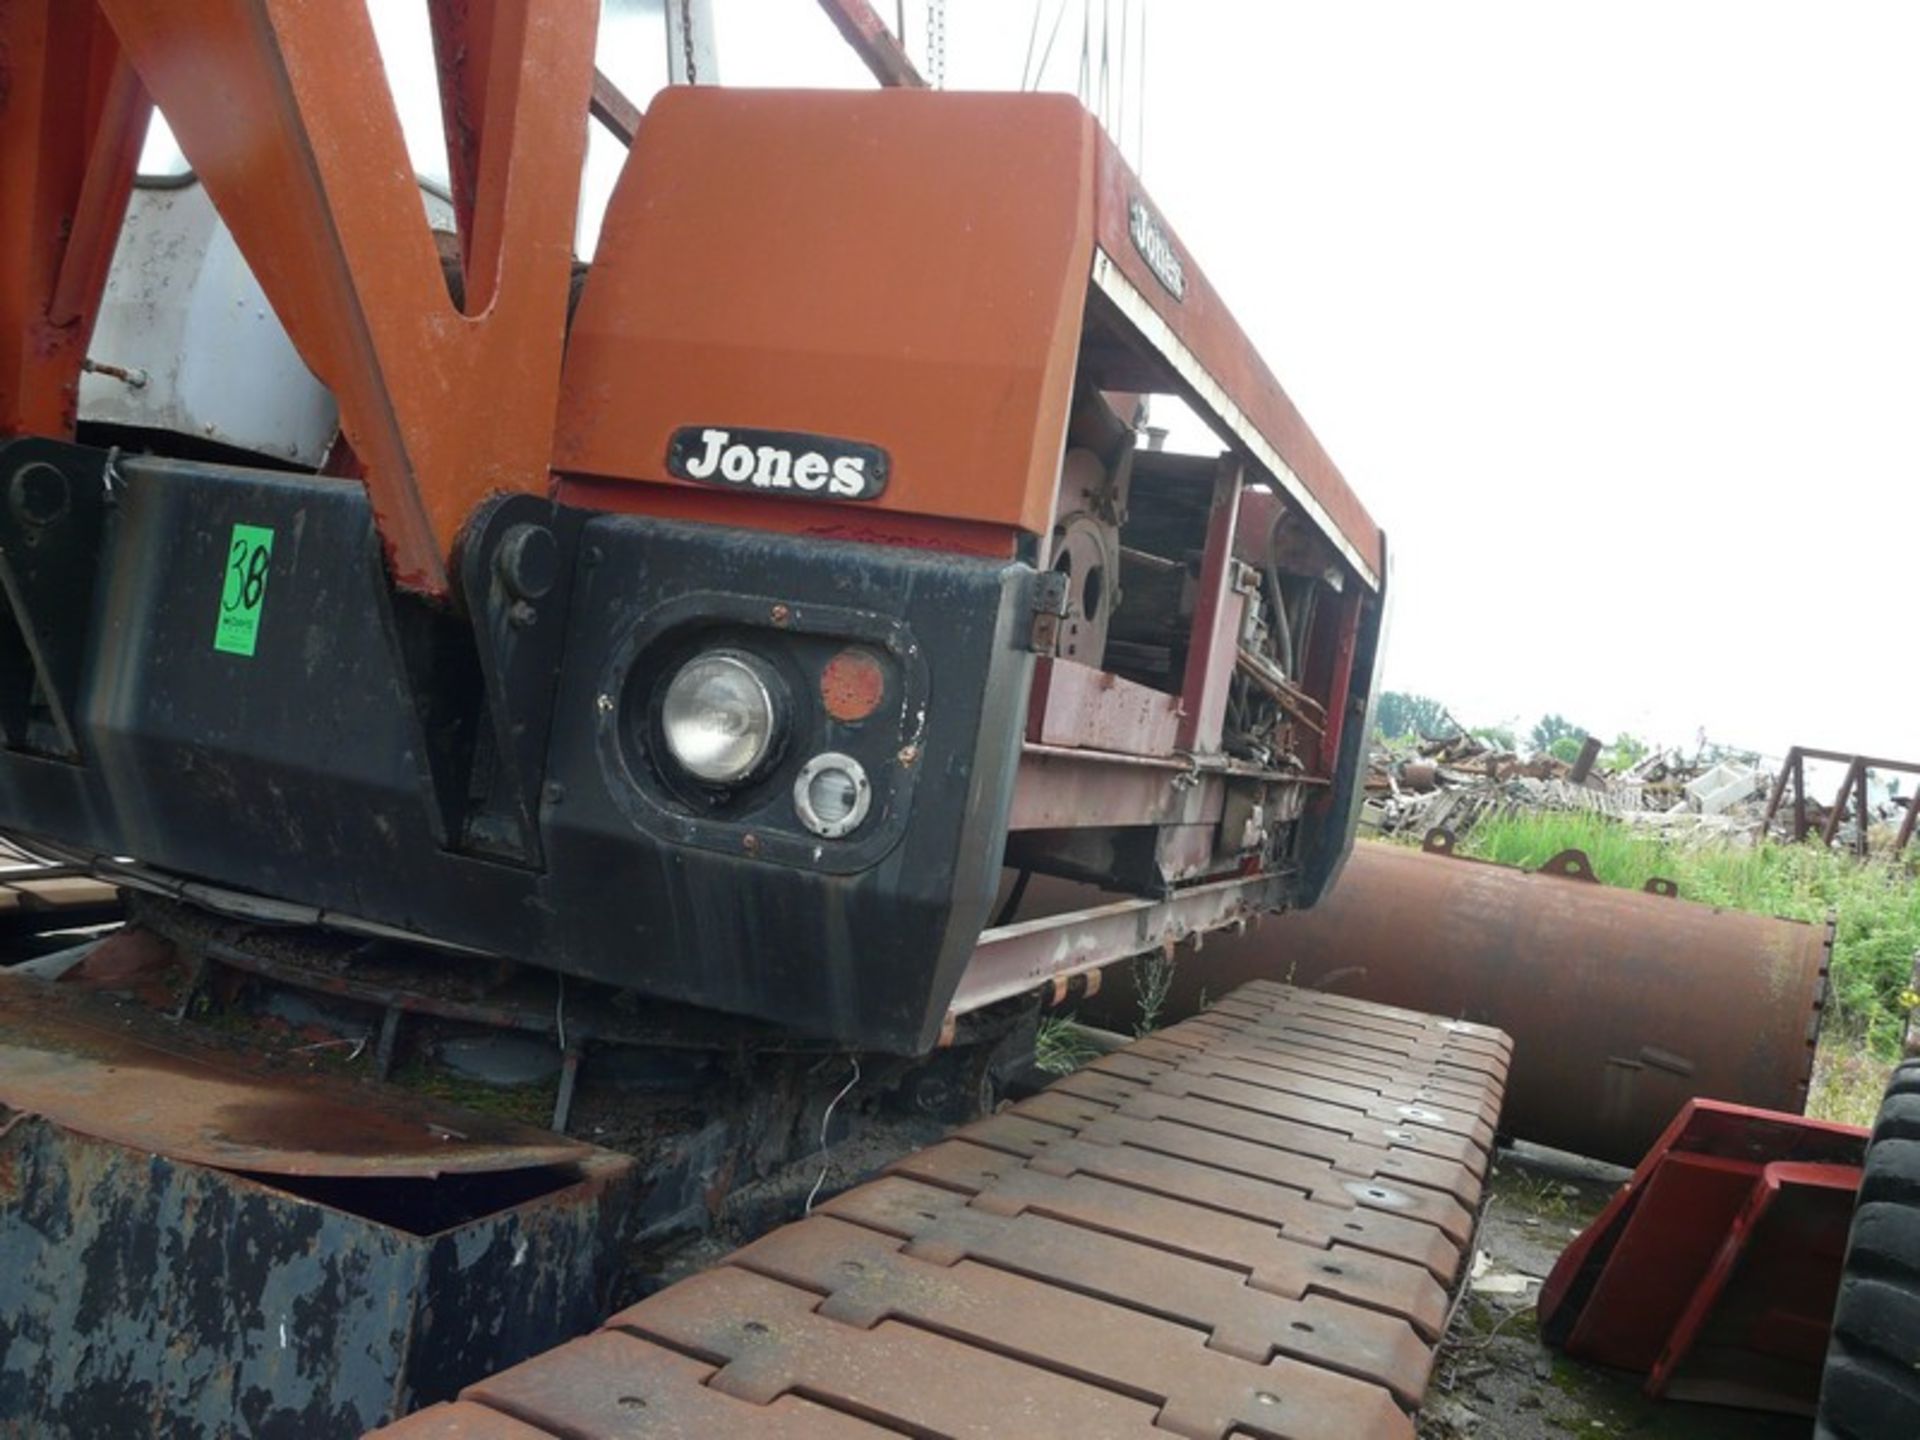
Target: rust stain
114,1073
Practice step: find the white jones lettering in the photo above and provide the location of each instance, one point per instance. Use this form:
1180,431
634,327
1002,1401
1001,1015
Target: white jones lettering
703,467
816,466
810,470
849,476
1156,249
775,470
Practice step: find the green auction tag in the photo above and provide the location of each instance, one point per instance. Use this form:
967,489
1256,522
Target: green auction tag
245,589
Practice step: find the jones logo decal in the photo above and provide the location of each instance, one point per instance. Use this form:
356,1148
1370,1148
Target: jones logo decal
784,462
1156,249
243,589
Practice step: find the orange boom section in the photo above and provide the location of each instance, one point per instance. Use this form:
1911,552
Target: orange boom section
275,106
907,276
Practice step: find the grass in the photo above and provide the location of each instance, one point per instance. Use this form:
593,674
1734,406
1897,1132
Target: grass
1060,1047
1848,1082
528,1104
1876,906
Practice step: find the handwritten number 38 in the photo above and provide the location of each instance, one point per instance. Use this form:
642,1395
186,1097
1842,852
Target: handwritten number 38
249,571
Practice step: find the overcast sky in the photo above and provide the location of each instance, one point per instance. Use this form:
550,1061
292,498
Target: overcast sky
1610,313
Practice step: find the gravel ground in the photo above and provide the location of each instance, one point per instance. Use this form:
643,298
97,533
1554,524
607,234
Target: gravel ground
1494,1380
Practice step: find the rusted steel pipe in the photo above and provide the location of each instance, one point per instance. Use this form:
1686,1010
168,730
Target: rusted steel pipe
1622,1004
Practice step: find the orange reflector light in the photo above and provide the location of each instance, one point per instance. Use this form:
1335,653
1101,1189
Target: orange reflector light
852,685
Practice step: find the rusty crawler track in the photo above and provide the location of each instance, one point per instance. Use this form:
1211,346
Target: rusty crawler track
1245,1224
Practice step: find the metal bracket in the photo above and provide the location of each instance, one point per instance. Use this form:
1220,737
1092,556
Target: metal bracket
516,572
1571,865
53,507
1050,593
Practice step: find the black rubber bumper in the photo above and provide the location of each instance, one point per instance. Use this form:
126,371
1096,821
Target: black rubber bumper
495,779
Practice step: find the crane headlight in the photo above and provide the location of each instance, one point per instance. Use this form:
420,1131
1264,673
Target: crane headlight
719,717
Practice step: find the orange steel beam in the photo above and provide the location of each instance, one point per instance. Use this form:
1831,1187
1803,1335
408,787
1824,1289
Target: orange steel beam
72,119
462,41
283,110
873,42
613,109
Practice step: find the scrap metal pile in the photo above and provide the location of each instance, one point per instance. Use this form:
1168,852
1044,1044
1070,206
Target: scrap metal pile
1457,780
1454,781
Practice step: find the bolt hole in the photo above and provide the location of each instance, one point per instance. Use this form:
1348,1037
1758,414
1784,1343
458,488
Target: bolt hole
754,1327
632,1402
1303,1327
1333,1269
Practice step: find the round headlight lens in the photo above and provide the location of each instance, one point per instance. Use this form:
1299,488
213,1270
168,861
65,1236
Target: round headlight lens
718,718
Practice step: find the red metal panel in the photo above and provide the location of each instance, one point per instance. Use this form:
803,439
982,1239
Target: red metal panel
1755,1332
947,335
1331,673
1057,788
72,119
1011,960
898,267
1657,1262
1215,646
1717,1264
1077,706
